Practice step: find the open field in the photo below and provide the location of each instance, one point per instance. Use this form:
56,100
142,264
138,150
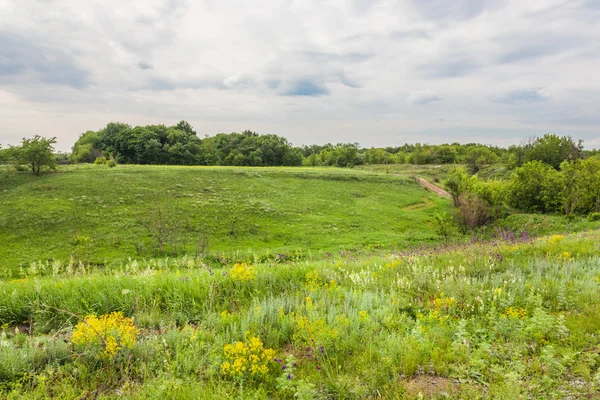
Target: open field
285,283
104,215
513,318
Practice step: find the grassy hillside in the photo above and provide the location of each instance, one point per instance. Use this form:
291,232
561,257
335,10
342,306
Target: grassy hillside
508,319
102,215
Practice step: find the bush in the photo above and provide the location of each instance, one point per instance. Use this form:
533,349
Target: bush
535,187
472,212
100,160
595,216
111,162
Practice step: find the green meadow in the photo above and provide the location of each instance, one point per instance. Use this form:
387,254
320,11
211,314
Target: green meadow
167,282
507,319
101,215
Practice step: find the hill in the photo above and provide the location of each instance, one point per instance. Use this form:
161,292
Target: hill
103,215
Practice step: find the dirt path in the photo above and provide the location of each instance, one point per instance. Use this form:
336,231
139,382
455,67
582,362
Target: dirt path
434,188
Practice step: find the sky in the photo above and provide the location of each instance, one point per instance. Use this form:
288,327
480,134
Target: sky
380,73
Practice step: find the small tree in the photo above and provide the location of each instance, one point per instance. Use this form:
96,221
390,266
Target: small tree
37,153
161,226
443,225
457,184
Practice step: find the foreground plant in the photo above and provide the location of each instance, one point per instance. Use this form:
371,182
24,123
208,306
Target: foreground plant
242,272
247,359
105,336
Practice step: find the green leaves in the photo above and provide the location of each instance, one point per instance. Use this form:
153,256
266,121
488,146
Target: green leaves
37,153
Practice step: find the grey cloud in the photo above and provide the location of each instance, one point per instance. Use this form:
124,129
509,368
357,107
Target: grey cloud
145,65
457,9
142,33
449,69
20,56
410,34
348,82
578,119
163,84
287,74
363,6
325,57
305,87
423,97
273,83
528,52
536,46
159,85
592,5
522,96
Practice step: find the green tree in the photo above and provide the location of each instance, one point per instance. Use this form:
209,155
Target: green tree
37,153
479,157
580,186
87,148
457,184
553,150
535,187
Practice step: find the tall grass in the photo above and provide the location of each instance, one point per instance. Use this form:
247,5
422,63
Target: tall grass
498,319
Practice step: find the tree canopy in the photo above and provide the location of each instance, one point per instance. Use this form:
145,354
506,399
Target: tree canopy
179,145
37,153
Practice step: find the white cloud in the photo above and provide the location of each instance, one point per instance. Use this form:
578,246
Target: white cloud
312,71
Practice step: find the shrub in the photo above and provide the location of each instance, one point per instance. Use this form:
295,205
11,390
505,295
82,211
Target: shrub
443,225
111,162
595,216
535,187
472,212
457,184
100,160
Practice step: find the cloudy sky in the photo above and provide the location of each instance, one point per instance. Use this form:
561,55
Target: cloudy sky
380,72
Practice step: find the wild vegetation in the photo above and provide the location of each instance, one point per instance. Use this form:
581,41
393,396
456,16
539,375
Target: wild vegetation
102,215
510,318
223,281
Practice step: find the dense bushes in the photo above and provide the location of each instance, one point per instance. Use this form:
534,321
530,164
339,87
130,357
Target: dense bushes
478,202
574,189
535,187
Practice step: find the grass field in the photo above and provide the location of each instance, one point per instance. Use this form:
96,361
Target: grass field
104,215
285,283
515,318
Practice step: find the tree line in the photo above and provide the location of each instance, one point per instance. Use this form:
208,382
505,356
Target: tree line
180,145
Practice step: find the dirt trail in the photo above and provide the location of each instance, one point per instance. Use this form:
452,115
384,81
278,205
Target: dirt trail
434,188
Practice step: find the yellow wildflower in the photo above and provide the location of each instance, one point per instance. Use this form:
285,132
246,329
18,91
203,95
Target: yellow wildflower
109,332
242,272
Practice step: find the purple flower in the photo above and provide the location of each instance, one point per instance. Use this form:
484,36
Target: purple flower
284,366
319,367
289,376
294,365
322,349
